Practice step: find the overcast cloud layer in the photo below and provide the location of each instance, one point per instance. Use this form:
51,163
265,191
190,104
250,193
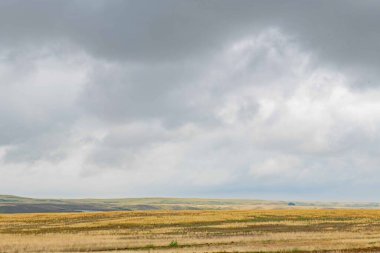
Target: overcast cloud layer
251,99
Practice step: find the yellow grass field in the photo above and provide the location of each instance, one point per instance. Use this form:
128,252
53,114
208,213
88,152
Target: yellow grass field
193,231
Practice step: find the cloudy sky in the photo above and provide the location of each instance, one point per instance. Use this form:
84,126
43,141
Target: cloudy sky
250,99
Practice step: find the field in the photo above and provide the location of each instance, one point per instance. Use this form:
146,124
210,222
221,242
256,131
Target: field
292,230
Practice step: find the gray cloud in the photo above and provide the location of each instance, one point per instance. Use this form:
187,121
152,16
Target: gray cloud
343,31
37,102
222,96
129,92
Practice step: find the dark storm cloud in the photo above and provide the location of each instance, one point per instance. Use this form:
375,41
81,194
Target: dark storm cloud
344,31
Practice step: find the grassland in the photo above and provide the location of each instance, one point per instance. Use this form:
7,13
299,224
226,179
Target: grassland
193,231
14,204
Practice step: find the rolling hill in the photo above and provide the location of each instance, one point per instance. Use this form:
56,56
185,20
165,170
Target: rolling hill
15,204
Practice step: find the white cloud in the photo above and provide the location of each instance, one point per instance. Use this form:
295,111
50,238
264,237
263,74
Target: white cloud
277,167
261,113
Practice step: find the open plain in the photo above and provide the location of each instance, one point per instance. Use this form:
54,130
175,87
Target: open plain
291,230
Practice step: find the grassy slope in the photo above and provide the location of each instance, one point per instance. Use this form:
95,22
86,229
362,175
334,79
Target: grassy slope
14,204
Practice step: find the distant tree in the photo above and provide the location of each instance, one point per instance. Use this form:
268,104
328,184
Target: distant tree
291,204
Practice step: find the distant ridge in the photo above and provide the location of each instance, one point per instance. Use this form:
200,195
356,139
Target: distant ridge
16,204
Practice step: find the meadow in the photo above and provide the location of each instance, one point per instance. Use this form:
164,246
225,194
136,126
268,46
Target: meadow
291,230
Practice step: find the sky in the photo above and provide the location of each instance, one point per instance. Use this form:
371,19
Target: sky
196,98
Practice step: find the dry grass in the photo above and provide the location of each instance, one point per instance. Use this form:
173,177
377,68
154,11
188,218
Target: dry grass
194,231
